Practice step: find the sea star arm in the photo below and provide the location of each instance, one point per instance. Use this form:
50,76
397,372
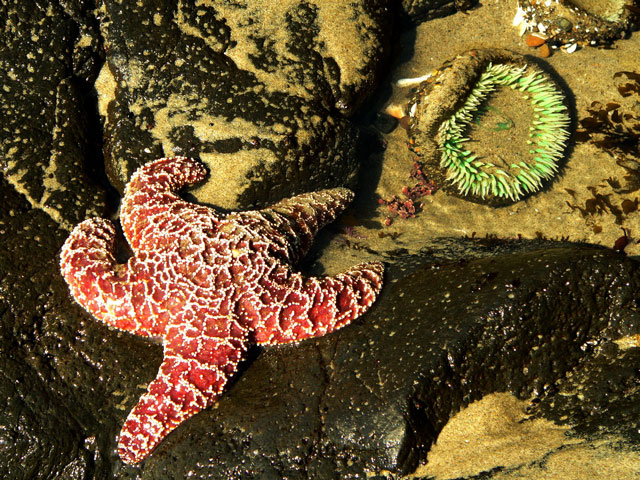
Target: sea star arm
198,361
312,307
109,291
207,285
297,220
152,214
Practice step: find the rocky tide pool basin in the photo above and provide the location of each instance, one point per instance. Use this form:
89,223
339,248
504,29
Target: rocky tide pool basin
524,349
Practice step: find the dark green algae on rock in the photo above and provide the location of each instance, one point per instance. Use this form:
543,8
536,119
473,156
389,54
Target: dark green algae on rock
60,380
369,398
373,397
261,95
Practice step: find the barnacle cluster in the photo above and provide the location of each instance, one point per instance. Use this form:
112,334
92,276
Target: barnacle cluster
570,23
446,106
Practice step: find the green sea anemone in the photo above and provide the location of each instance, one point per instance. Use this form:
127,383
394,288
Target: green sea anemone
448,112
548,136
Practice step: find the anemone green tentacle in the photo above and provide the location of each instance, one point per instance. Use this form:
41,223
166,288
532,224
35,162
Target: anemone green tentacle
548,135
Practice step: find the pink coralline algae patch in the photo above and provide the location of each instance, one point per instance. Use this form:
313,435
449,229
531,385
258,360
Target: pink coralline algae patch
208,285
409,207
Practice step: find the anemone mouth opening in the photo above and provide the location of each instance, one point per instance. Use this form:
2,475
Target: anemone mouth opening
499,129
486,152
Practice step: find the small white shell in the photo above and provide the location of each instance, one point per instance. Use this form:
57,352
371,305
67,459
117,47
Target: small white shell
410,82
413,110
519,18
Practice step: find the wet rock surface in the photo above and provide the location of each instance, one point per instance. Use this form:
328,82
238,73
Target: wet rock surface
374,396
59,414
49,59
371,397
418,11
259,94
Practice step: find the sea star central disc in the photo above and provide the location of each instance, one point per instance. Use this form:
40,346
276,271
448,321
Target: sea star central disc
208,285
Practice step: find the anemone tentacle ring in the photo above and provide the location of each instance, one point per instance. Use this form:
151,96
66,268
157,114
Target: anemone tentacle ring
448,109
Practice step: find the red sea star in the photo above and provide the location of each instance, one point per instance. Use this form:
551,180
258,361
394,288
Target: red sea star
208,285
